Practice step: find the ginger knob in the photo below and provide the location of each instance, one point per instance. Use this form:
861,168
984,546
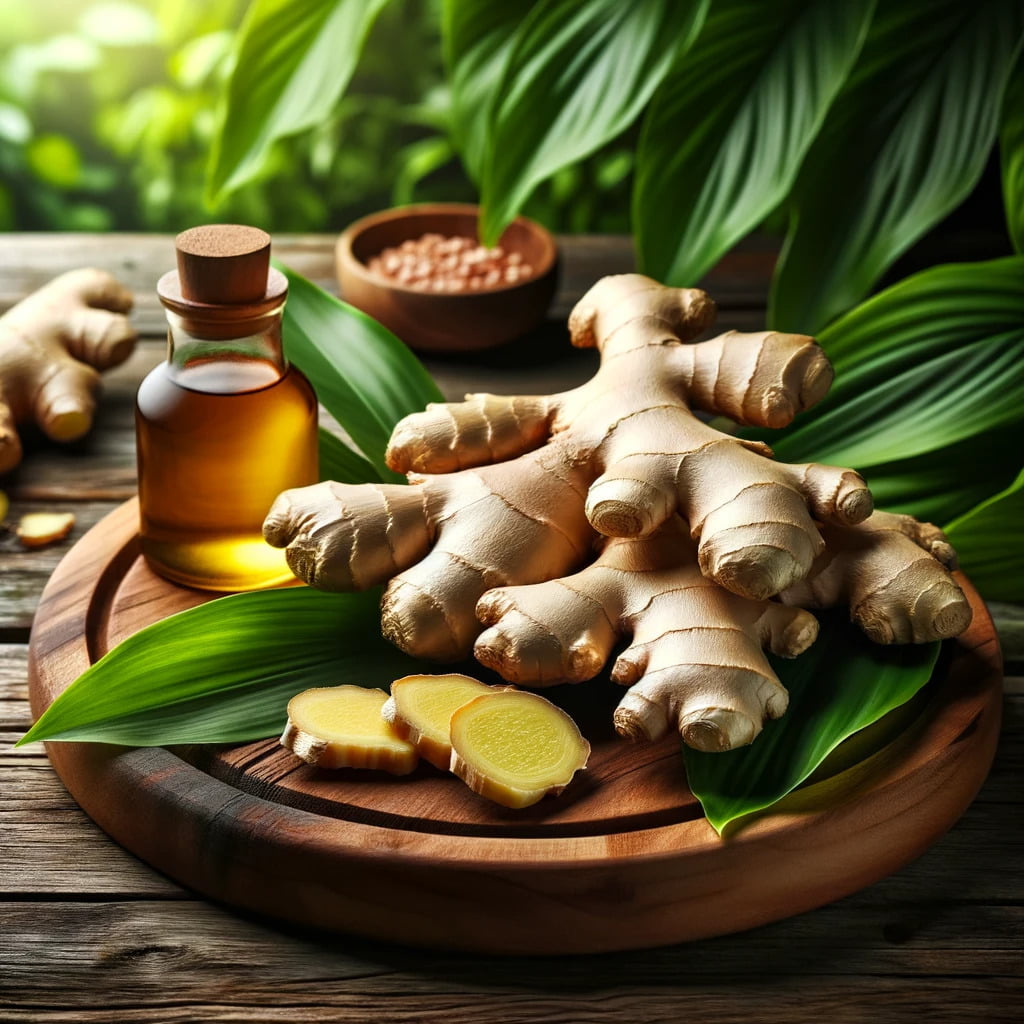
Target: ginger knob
53,345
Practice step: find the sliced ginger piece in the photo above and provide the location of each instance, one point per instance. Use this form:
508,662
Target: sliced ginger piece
421,709
342,727
515,747
37,529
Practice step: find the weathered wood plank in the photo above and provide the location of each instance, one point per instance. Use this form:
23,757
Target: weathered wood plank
851,962
27,261
24,572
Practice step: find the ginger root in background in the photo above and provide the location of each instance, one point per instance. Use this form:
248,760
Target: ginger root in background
52,345
512,492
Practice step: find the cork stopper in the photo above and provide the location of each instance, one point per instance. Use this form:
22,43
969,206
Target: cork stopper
223,264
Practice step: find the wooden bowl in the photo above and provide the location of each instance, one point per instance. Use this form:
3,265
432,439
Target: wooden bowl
446,322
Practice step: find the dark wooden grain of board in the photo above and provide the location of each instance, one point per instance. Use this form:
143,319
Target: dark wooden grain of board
89,933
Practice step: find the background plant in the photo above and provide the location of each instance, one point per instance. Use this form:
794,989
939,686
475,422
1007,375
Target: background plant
108,115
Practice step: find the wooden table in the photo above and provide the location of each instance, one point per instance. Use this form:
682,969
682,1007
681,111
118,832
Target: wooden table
89,933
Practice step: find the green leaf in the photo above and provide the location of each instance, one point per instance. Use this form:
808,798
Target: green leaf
709,167
477,37
340,462
293,60
928,385
841,685
1011,146
417,161
161,686
989,541
903,144
364,376
578,74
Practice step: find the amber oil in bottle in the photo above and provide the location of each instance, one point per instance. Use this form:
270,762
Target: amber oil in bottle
224,424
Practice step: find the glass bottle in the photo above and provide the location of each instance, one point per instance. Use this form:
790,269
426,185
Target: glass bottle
224,424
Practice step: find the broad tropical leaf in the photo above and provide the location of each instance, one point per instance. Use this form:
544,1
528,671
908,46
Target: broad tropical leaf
903,144
293,60
364,376
841,685
1011,145
256,650
990,543
928,390
477,37
578,74
340,462
725,134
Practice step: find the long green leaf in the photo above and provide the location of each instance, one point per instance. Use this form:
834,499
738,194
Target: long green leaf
843,684
927,380
989,541
725,134
364,376
904,143
340,462
477,36
1011,146
293,59
578,74
224,671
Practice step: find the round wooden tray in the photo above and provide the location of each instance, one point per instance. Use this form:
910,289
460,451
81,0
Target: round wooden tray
623,859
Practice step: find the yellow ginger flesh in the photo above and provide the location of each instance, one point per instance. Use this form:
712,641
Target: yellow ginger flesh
421,707
37,529
342,727
515,747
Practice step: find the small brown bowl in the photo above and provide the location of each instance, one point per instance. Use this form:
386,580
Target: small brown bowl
445,321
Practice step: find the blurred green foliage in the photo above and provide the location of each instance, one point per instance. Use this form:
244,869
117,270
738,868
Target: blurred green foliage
107,112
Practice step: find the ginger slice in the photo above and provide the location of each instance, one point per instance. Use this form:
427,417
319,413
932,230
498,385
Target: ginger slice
515,747
342,727
421,708
37,529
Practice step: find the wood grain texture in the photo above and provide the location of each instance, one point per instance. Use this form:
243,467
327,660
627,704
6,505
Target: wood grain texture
623,859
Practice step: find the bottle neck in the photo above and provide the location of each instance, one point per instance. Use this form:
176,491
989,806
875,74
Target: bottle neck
226,358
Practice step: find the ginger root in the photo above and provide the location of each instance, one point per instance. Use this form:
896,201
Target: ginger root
694,662
420,710
623,451
52,345
342,727
515,748
511,494
891,572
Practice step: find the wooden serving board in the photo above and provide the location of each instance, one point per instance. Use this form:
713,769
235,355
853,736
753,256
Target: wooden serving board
623,859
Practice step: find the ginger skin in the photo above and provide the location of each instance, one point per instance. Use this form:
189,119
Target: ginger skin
510,494
52,345
625,457
694,662
891,570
